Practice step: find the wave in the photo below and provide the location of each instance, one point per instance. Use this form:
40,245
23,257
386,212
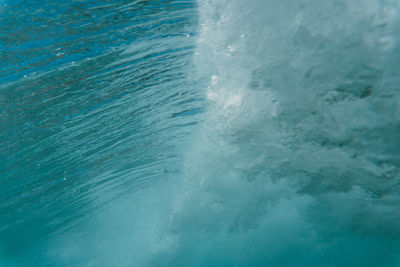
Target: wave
221,133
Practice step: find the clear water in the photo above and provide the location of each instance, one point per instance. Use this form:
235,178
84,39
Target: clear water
208,133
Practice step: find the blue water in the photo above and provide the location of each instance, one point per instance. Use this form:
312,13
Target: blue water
200,133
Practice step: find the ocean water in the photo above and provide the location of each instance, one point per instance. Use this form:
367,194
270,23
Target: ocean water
200,133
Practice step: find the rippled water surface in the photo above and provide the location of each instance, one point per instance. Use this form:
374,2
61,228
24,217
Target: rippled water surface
94,97
200,133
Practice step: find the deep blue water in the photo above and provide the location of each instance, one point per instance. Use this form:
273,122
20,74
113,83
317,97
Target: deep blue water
200,133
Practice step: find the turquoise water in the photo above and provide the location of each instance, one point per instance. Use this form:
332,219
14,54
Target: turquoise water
200,133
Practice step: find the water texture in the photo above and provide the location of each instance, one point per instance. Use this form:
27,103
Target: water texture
208,133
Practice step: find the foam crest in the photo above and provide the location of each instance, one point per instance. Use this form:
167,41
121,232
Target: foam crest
299,147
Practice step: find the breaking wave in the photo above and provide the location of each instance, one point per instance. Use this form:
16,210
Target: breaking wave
216,133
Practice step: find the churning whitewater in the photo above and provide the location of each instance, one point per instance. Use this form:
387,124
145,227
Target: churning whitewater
209,133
